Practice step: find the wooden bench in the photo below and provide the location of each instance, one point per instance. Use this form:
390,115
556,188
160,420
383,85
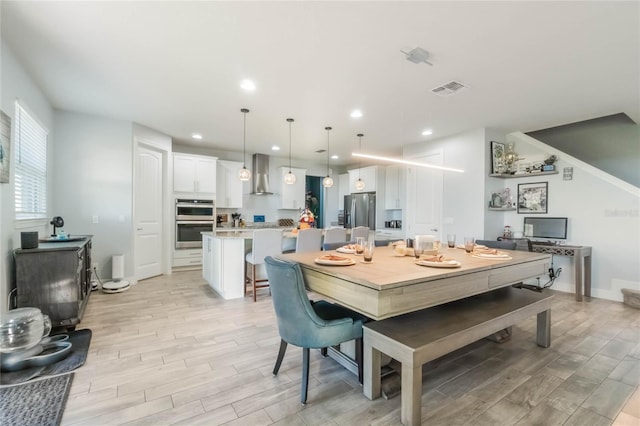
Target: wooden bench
419,337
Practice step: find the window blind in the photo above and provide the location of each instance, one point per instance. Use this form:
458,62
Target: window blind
30,167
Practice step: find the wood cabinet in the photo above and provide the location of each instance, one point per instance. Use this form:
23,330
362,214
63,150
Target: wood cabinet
55,278
228,185
292,197
394,188
194,174
369,176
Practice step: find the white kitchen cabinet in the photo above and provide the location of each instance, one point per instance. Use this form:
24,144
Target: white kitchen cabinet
343,189
223,265
394,187
228,185
187,258
388,234
292,197
369,176
194,174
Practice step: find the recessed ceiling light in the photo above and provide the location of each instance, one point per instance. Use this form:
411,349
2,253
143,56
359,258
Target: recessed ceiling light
196,136
356,113
248,85
275,148
427,132
334,157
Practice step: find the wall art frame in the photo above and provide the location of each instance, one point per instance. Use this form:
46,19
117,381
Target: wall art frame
533,198
5,147
497,157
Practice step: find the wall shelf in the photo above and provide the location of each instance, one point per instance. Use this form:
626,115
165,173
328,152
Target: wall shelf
506,176
502,209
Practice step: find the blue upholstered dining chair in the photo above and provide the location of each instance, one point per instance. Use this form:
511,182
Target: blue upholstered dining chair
334,245
307,324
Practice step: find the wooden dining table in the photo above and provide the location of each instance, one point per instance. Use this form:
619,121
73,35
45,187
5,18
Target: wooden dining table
393,285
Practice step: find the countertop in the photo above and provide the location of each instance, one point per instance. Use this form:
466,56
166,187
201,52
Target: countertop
244,233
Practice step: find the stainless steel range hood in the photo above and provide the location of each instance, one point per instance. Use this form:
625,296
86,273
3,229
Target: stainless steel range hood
260,179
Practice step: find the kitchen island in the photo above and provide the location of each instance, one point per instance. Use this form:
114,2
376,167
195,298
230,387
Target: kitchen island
223,259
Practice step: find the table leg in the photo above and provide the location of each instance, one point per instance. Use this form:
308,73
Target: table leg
578,268
371,361
587,276
543,335
411,395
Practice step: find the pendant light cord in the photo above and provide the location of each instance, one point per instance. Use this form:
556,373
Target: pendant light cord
290,120
328,129
360,135
244,136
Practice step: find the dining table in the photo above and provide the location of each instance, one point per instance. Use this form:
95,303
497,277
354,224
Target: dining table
392,285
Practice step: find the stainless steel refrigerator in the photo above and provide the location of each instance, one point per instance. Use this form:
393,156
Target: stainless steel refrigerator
360,210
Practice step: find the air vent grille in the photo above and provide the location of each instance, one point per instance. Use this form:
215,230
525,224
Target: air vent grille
448,89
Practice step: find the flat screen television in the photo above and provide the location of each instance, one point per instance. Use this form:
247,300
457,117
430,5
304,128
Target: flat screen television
554,228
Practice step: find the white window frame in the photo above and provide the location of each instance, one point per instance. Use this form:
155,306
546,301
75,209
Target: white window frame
27,126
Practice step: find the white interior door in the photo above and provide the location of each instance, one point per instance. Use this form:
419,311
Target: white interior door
424,197
148,212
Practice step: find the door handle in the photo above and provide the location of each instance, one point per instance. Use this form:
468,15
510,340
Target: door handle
434,229
139,229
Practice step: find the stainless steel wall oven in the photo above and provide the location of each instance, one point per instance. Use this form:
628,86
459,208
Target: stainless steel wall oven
192,218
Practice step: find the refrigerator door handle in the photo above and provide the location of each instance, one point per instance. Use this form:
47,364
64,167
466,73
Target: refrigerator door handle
353,212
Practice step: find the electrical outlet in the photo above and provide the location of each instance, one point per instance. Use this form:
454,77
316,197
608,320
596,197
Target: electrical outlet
95,219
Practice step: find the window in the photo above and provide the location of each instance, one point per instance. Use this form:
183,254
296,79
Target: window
30,166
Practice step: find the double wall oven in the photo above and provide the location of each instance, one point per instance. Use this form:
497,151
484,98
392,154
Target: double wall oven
192,218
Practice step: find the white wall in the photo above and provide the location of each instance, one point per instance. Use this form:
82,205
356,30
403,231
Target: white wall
17,85
95,178
463,193
603,212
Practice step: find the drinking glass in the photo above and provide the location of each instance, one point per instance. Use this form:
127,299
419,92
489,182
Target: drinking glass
368,251
418,247
451,240
360,245
469,242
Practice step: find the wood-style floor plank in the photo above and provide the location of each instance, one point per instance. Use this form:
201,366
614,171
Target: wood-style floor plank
169,351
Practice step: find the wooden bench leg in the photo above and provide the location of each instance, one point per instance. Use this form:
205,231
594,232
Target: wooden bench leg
411,396
371,365
543,336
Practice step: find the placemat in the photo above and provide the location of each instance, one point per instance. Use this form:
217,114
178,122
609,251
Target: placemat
80,340
40,402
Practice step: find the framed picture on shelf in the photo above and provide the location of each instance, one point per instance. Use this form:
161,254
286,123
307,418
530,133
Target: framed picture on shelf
533,197
497,157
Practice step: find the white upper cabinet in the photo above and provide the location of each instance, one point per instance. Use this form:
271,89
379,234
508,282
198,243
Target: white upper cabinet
394,187
343,189
229,186
369,176
292,197
195,174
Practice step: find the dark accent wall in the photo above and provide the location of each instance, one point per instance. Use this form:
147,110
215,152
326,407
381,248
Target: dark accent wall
610,143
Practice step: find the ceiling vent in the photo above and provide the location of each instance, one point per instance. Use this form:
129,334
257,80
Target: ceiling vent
449,89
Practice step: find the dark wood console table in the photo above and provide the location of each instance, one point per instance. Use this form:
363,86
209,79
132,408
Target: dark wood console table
56,278
582,263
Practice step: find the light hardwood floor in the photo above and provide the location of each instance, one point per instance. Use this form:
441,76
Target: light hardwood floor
170,351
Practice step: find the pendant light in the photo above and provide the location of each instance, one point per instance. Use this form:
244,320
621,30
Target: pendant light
359,185
244,174
290,178
327,182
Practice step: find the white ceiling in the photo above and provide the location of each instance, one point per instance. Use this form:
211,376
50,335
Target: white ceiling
176,67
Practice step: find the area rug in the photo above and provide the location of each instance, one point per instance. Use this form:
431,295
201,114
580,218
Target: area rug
40,402
80,340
